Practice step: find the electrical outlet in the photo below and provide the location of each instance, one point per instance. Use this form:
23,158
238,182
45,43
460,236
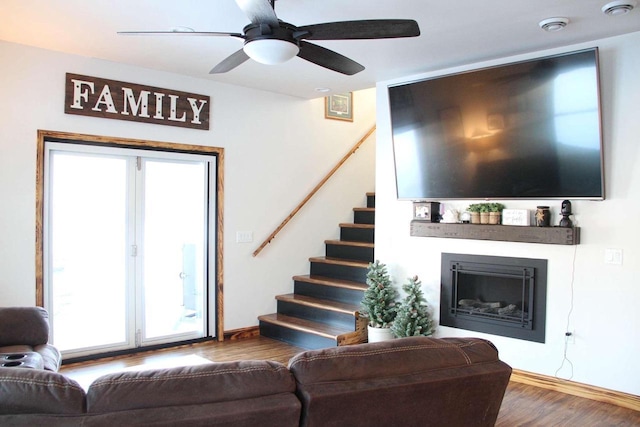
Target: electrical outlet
613,256
244,236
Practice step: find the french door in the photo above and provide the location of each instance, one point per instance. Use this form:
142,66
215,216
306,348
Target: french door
126,240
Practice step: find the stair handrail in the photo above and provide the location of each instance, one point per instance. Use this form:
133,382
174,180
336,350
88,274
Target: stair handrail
314,191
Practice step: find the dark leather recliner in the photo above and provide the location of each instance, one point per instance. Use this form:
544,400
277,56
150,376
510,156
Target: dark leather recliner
25,331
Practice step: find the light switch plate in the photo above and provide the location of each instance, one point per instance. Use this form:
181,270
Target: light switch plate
244,236
613,256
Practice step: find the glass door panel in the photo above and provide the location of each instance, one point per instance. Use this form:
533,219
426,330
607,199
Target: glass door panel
126,241
174,236
88,247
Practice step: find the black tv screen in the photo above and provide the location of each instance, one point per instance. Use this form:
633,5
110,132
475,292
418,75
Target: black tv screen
529,129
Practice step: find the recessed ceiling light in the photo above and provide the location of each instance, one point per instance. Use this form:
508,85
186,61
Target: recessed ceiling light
553,24
619,7
322,89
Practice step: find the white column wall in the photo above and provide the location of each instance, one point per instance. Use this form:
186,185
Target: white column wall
603,296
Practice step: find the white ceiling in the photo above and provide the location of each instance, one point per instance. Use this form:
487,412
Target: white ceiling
453,33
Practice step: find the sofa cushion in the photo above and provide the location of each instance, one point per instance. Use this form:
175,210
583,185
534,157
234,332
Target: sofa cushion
416,381
23,325
189,385
34,391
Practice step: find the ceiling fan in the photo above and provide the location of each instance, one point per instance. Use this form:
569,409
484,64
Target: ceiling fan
269,40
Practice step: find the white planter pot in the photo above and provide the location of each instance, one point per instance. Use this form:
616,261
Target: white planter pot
379,334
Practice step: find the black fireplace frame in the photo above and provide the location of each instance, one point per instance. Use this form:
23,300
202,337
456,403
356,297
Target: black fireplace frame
532,274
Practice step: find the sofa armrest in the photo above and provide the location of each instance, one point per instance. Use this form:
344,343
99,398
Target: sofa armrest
23,325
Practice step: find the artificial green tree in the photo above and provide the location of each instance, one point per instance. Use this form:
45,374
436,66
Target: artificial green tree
413,317
379,303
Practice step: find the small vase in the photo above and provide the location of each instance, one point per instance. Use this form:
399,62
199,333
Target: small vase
379,334
474,217
484,217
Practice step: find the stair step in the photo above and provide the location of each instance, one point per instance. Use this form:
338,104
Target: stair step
319,303
301,332
371,200
348,243
357,232
332,313
308,334
303,325
339,268
328,281
327,288
360,251
352,225
364,215
339,262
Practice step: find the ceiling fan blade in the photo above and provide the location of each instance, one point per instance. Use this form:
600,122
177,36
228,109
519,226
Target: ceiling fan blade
230,62
178,33
259,11
365,29
328,59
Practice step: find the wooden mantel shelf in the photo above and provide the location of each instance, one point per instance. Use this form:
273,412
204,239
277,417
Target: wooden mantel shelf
505,233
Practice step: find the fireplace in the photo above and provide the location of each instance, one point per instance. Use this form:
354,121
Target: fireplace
496,295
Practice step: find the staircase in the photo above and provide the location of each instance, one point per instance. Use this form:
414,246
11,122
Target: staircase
323,309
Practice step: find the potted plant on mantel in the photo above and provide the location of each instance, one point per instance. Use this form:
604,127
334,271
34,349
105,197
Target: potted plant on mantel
485,213
379,303
495,212
474,210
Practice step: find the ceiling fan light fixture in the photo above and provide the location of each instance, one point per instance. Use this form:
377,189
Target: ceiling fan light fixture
619,7
181,29
271,51
552,25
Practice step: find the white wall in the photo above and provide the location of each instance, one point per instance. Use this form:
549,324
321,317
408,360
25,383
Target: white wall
277,149
604,297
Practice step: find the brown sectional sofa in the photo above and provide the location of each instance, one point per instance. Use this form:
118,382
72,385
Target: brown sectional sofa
414,381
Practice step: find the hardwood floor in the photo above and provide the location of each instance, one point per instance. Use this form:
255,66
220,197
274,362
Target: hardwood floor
523,405
526,405
255,348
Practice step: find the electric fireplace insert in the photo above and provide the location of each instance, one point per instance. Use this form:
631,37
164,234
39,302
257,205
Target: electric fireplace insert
496,295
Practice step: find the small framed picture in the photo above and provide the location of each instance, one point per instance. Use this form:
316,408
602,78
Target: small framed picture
426,211
339,107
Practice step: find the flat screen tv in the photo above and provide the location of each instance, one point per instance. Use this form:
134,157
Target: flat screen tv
529,129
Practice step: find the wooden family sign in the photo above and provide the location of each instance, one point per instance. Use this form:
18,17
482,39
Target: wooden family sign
111,99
